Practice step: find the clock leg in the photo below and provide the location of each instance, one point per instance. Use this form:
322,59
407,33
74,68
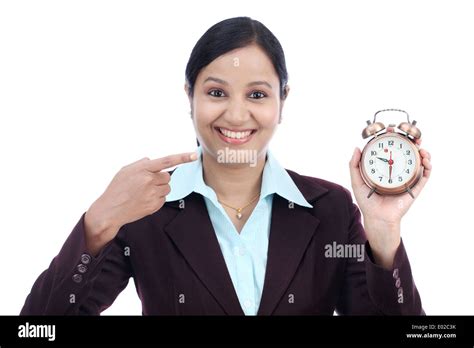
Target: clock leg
410,192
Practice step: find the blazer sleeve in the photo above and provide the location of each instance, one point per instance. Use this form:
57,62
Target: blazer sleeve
76,283
371,289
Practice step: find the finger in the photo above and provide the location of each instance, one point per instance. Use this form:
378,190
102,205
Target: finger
356,178
427,167
159,164
424,179
426,162
161,178
418,141
425,154
163,190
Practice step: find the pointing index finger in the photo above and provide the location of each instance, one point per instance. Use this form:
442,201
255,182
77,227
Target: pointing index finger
159,164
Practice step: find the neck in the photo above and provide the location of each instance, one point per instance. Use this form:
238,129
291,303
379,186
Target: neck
234,184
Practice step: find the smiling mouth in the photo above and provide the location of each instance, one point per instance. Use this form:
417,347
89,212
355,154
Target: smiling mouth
238,135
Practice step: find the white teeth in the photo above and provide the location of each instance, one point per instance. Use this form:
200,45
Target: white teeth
235,135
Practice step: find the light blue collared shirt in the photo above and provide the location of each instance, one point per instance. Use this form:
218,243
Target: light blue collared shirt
245,253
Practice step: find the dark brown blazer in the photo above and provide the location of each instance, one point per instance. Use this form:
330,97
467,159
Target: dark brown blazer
174,258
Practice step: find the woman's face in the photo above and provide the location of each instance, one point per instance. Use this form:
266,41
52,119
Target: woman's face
236,102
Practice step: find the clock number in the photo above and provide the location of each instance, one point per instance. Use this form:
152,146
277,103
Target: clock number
371,162
373,153
381,145
408,152
389,181
380,177
410,161
401,145
407,171
373,171
400,179
390,143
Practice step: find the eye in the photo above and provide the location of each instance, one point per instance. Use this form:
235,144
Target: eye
216,93
257,95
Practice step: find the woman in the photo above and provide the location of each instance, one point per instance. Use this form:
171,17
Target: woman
231,231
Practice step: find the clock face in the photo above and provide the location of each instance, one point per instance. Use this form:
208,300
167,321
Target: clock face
390,161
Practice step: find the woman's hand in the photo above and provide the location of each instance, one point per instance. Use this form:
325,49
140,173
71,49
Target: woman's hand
137,190
383,214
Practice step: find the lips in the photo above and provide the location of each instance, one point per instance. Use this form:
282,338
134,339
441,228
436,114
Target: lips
234,136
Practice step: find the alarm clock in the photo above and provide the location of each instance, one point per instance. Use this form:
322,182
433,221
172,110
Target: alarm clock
391,163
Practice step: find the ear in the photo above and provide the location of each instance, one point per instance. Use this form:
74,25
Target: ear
286,90
187,89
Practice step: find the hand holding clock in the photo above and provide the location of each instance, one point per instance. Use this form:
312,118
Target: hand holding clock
383,213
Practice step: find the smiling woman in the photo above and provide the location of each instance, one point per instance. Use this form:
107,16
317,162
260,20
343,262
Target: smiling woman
230,231
242,108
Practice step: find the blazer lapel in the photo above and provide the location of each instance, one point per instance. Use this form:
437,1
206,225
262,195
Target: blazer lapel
192,232
291,231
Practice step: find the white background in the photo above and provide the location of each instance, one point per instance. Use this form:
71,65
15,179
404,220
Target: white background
88,87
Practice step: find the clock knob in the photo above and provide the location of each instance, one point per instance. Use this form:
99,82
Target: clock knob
372,129
410,129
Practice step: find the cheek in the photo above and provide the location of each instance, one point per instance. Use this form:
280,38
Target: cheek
206,112
267,115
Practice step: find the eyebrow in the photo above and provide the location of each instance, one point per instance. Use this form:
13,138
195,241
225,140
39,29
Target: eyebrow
254,83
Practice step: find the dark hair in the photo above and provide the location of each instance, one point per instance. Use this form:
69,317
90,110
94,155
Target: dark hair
228,35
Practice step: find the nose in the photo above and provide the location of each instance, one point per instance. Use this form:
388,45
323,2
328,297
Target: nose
237,112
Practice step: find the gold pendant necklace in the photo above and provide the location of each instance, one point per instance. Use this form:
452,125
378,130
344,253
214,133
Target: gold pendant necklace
239,210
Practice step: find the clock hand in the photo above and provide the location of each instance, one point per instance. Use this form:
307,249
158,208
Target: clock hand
383,159
390,162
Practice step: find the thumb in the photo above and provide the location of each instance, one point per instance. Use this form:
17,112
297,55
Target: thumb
355,158
356,178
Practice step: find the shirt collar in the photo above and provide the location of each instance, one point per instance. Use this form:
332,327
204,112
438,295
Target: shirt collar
188,178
